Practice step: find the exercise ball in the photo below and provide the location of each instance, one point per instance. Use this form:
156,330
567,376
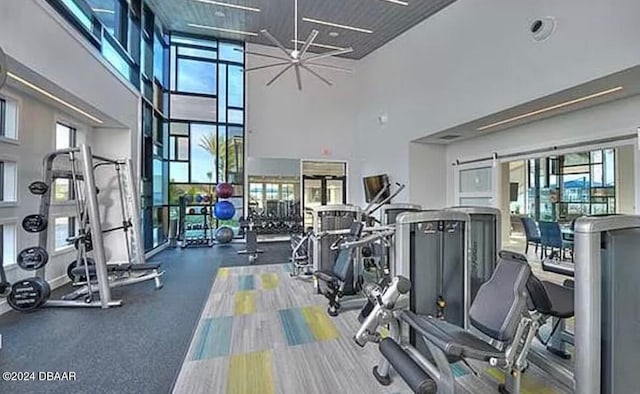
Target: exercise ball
199,198
188,198
224,210
224,190
207,198
224,235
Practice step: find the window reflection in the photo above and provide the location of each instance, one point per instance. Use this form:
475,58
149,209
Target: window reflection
195,76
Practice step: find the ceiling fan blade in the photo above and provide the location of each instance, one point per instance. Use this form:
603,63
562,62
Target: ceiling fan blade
329,67
315,74
298,78
335,52
275,41
266,55
265,66
312,36
284,70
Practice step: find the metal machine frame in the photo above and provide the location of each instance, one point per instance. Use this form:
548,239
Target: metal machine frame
317,256
130,208
403,252
591,234
385,209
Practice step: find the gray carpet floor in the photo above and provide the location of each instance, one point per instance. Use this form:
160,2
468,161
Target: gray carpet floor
137,348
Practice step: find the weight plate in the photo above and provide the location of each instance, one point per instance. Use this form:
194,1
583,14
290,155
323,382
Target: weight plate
3,68
47,290
29,294
33,258
38,188
5,289
73,265
34,223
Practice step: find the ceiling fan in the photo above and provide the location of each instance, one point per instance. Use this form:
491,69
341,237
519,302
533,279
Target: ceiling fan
297,58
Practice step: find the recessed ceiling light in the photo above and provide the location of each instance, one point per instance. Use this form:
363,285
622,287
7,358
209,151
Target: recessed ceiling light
358,29
103,11
551,108
219,14
318,45
400,2
53,97
334,34
246,33
236,6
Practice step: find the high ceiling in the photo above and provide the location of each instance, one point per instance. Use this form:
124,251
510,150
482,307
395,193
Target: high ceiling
385,18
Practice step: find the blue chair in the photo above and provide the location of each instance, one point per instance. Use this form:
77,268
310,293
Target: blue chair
551,237
531,232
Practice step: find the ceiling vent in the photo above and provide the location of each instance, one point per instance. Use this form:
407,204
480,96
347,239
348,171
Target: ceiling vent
449,137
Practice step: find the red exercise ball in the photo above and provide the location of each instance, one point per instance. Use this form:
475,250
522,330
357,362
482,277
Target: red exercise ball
224,190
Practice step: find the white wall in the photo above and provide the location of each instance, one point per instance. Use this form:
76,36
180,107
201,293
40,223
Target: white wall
47,48
317,123
36,138
35,35
475,58
518,174
625,179
114,144
612,119
427,176
273,167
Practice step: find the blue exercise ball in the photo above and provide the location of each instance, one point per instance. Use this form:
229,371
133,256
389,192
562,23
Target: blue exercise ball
224,235
224,210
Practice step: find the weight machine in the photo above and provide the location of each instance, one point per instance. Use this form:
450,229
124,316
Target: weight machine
91,275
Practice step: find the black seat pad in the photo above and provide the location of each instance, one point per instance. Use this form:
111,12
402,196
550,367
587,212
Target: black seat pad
453,340
326,276
80,271
561,298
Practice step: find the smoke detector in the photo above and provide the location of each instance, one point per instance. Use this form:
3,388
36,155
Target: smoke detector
543,28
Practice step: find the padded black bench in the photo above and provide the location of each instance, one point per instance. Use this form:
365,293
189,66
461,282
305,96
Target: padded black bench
115,268
553,301
456,342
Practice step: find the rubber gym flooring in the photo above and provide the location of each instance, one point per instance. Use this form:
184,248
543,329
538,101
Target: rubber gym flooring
137,348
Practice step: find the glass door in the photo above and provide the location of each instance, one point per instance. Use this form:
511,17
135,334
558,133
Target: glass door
322,190
323,182
312,192
335,191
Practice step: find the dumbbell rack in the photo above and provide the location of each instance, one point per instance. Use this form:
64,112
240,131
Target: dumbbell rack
204,227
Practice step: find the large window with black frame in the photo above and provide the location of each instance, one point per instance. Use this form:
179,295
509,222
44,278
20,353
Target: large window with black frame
155,126
113,27
206,133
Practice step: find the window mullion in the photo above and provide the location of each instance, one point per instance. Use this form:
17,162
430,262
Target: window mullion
3,118
2,175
